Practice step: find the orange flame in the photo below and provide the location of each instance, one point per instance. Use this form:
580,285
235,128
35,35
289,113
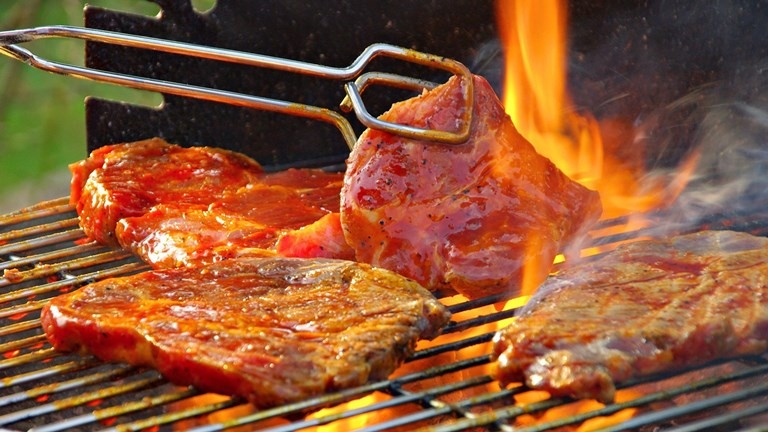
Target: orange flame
600,155
534,37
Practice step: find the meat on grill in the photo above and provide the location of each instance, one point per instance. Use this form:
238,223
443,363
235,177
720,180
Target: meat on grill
272,330
646,307
467,216
124,180
251,221
175,206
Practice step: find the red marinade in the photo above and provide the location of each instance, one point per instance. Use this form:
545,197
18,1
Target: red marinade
176,206
271,330
469,216
647,307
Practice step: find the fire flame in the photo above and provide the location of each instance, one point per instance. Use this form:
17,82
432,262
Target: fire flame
600,155
534,37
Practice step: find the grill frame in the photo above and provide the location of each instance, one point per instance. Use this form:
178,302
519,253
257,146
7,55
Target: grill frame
46,390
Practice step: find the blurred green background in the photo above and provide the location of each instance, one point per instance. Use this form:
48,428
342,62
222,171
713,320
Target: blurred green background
42,115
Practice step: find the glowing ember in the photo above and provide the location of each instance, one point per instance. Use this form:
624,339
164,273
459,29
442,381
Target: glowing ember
575,408
11,354
536,97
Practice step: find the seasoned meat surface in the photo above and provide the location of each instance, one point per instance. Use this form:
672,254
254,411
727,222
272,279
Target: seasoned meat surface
646,307
323,238
248,222
272,330
175,206
125,180
466,216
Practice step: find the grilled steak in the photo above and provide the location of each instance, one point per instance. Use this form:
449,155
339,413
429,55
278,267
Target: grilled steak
468,216
646,307
175,206
272,330
126,180
248,222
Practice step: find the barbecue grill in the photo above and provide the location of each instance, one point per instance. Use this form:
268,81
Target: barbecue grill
447,385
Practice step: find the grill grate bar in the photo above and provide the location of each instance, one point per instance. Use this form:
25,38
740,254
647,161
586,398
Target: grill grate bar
724,419
175,417
18,328
451,347
47,372
404,398
39,242
22,343
477,303
40,229
480,320
64,385
22,309
53,207
446,409
693,407
75,264
131,267
114,411
83,398
18,261
29,358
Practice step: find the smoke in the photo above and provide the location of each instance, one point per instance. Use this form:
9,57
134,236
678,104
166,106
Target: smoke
692,78
692,81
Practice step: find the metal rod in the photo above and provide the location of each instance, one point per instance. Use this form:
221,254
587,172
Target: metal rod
114,411
79,400
131,267
64,385
10,39
36,242
74,264
76,250
39,374
45,208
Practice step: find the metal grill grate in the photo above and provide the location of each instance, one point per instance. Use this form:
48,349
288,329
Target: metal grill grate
446,386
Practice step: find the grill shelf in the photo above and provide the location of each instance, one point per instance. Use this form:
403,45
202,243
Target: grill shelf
445,386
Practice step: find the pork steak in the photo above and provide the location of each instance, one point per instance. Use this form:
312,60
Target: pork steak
249,222
271,330
646,307
470,217
124,180
174,206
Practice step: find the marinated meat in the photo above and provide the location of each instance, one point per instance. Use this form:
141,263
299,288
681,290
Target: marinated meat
468,216
125,180
646,307
323,238
248,222
175,206
272,330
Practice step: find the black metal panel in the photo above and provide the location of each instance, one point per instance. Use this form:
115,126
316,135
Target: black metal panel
330,33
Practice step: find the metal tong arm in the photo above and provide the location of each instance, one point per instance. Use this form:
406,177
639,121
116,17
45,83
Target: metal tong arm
10,39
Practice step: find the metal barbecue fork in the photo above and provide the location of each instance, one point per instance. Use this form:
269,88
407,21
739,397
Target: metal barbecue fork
9,41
